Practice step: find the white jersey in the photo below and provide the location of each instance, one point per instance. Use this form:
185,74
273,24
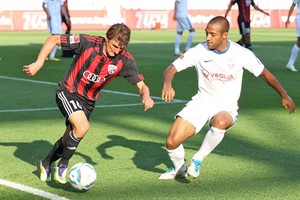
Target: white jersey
219,73
182,9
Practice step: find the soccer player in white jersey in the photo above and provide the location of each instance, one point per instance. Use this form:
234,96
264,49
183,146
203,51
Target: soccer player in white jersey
54,9
182,23
219,64
296,47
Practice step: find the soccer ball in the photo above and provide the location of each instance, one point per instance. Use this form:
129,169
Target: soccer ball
82,176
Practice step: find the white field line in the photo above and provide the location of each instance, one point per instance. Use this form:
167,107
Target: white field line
31,190
98,106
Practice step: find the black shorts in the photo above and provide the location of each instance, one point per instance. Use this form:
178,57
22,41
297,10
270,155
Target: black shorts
69,103
244,27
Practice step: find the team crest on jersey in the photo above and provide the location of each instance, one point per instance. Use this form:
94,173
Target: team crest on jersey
74,39
231,64
112,69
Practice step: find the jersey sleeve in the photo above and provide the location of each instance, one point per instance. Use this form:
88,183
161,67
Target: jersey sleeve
188,59
254,65
130,70
73,43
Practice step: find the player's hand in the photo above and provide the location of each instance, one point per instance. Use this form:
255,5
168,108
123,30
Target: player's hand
287,23
148,103
32,69
167,94
288,104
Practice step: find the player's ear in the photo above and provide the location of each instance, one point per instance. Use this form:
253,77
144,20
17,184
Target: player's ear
225,35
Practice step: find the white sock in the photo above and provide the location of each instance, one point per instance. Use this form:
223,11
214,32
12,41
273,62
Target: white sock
189,40
294,54
177,43
177,157
53,52
213,137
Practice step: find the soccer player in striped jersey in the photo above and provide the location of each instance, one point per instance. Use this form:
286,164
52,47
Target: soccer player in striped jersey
97,62
219,64
244,19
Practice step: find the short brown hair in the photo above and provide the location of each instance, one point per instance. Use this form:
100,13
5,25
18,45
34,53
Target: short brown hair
120,32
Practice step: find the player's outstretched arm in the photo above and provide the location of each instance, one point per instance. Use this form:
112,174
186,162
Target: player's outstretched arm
289,14
168,93
145,95
260,10
228,8
287,101
34,67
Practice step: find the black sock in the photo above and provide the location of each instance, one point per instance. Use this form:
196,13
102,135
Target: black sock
69,148
240,42
54,154
249,46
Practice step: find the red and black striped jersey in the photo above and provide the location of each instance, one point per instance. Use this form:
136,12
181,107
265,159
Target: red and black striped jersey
91,70
244,9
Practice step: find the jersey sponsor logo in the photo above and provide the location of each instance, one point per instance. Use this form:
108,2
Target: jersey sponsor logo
112,69
217,76
89,76
74,39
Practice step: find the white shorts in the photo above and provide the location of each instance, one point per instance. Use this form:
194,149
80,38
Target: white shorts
183,24
199,113
55,26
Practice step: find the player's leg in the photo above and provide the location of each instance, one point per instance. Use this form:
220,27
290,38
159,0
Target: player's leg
70,141
219,123
179,132
246,35
241,25
52,156
295,50
56,29
179,32
191,35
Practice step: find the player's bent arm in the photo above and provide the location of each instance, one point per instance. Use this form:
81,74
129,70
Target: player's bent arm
145,95
287,101
168,93
33,68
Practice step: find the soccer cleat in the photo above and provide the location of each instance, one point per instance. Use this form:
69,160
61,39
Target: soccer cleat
60,174
177,53
194,168
291,68
171,173
45,172
55,59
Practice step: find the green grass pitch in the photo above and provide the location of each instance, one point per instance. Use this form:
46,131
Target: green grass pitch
259,157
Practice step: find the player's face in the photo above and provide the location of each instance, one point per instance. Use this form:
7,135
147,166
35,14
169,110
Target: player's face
216,40
113,47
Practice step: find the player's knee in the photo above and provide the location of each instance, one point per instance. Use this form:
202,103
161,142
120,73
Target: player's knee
80,130
221,122
171,144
